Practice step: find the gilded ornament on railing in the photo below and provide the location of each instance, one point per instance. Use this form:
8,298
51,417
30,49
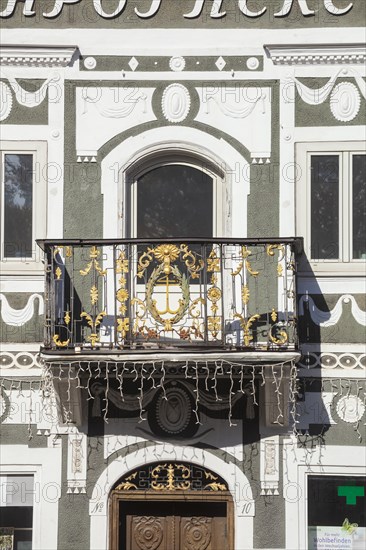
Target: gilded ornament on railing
175,277
93,323
94,295
168,253
58,273
245,253
273,315
281,251
282,337
123,326
93,255
214,295
245,294
171,483
68,251
246,326
213,263
59,343
67,317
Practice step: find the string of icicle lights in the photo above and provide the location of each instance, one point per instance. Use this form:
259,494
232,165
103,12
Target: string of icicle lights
156,374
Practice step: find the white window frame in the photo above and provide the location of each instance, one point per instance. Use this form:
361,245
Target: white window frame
174,160
38,149
345,264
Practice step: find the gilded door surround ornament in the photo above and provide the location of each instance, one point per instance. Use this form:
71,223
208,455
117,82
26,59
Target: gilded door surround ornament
172,477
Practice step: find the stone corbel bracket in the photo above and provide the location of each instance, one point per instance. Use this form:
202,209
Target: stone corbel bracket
37,56
316,54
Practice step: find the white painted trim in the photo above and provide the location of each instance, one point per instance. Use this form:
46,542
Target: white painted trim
23,283
238,484
234,357
330,285
339,372
298,464
37,56
45,465
167,139
334,348
134,41
290,54
17,347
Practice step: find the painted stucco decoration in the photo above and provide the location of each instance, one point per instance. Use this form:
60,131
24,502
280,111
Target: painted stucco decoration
332,317
317,96
328,360
177,63
18,317
176,103
34,99
350,408
253,63
6,101
345,101
90,63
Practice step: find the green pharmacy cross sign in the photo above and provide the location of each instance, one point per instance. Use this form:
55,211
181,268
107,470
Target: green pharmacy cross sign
351,492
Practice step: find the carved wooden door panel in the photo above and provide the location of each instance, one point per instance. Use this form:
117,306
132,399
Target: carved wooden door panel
187,529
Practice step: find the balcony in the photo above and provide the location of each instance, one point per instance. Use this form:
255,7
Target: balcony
134,298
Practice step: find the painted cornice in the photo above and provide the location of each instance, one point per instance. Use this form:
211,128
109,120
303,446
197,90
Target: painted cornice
316,54
37,56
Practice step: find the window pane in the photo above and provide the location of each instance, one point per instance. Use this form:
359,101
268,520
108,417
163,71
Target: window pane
18,190
174,201
359,206
325,207
336,512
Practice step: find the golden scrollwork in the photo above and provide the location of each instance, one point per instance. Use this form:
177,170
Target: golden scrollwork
93,323
123,326
214,295
171,483
194,266
126,486
213,263
122,263
245,294
183,302
216,487
281,254
281,338
93,255
94,295
59,343
246,326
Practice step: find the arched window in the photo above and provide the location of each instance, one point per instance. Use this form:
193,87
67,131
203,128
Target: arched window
174,199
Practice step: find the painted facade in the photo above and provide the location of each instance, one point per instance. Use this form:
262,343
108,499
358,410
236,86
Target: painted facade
227,344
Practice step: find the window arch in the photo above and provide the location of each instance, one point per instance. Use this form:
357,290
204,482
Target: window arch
174,195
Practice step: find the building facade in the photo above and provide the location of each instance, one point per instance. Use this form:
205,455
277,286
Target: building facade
182,274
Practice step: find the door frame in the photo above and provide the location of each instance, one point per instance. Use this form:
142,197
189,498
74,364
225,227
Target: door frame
183,496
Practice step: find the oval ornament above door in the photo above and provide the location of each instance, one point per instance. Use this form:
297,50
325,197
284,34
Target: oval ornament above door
176,103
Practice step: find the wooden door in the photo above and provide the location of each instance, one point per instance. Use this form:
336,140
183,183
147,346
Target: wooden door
173,525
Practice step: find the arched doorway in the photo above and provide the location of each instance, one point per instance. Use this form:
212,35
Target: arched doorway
170,506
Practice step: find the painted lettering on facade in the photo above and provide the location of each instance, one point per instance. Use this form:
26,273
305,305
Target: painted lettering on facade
216,8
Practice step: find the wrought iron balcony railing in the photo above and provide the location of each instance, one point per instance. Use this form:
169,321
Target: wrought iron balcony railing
119,296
